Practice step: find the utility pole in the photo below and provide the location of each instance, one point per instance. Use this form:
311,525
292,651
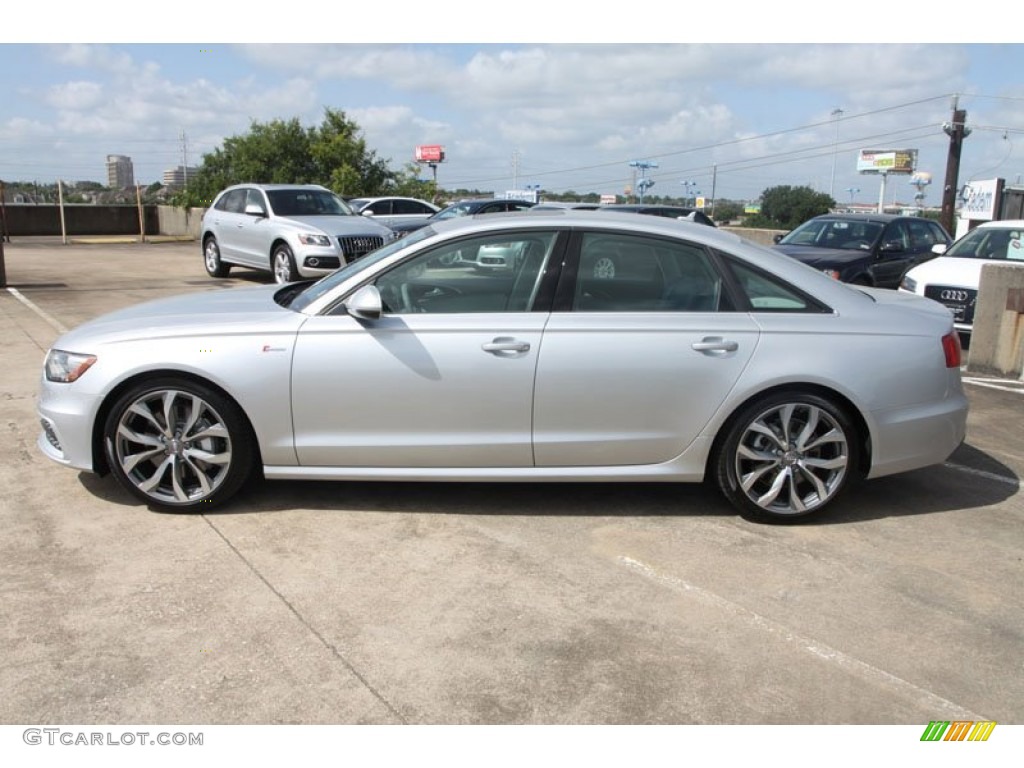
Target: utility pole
957,132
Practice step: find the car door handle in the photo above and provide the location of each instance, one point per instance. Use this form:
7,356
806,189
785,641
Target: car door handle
505,344
713,344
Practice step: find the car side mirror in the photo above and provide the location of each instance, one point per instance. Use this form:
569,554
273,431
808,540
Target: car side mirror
254,210
365,304
892,246
939,248
367,212
777,238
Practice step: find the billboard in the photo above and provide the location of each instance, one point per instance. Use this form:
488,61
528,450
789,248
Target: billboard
887,161
429,153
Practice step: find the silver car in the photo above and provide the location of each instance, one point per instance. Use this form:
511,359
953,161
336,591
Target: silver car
701,356
293,231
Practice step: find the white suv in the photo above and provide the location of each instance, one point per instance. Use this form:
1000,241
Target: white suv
291,230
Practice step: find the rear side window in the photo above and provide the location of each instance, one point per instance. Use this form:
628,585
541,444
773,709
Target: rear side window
767,293
629,273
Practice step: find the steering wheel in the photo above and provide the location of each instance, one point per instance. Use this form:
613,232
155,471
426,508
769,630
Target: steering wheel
414,297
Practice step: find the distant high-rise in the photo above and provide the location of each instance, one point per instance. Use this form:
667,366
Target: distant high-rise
178,177
120,172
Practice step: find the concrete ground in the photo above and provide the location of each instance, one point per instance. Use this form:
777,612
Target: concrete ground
347,603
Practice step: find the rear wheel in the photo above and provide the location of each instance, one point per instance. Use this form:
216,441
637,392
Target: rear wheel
284,265
786,457
178,445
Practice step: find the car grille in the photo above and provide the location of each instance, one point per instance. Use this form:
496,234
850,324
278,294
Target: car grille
960,300
355,247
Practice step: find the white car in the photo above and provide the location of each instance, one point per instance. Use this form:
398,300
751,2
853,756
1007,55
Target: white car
402,214
952,279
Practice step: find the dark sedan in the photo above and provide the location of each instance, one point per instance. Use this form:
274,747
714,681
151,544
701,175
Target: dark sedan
864,249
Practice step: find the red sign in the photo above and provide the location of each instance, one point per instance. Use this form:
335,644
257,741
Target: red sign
430,153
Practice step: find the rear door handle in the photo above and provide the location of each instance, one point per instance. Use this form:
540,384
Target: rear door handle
503,344
715,344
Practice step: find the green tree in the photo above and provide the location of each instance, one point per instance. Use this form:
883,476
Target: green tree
333,155
786,207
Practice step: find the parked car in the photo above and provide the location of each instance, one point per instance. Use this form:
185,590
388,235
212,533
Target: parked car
864,249
952,278
708,356
473,208
555,205
667,211
402,214
291,230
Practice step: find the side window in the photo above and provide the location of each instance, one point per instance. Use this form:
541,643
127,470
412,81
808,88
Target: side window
496,273
896,236
234,201
381,207
922,237
408,207
767,293
626,273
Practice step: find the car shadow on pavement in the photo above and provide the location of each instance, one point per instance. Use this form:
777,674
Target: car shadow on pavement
971,479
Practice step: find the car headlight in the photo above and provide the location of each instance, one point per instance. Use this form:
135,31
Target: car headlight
311,239
908,284
66,366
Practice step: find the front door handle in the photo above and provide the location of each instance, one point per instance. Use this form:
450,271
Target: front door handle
505,344
715,344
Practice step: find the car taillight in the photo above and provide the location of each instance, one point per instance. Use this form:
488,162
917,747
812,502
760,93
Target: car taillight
951,346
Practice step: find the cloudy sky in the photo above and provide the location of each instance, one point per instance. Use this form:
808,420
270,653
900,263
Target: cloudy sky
563,115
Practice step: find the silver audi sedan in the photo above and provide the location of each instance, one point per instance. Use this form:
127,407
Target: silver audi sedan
619,348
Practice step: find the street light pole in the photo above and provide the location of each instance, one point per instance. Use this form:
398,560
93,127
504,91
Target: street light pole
836,113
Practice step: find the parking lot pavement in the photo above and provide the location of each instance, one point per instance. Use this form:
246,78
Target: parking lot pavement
489,603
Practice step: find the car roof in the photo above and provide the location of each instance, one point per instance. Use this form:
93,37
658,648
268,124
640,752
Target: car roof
886,217
1003,224
278,186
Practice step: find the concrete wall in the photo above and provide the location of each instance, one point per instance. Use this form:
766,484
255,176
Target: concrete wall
29,220
997,340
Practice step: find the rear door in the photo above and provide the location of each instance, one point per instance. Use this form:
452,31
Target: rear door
641,350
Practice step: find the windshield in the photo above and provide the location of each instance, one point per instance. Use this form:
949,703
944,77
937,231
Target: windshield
307,202
459,209
989,243
327,283
835,233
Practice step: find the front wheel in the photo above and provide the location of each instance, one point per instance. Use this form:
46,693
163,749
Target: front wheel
284,265
786,457
178,445
211,259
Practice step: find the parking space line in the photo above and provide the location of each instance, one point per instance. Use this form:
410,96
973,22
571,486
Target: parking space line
982,473
928,701
1017,387
57,324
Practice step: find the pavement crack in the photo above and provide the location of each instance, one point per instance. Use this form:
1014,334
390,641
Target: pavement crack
305,623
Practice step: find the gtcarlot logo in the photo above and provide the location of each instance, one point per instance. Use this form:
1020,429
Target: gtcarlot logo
958,730
59,736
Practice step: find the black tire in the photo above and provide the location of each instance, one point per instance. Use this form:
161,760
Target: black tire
211,258
786,457
196,462
282,264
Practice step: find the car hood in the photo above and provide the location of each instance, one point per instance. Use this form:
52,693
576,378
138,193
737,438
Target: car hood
207,313
823,257
948,270
344,225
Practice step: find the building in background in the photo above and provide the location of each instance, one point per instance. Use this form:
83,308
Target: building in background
120,172
178,177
